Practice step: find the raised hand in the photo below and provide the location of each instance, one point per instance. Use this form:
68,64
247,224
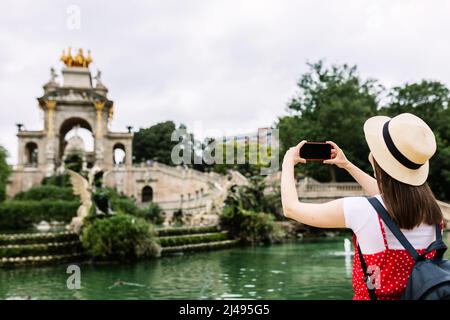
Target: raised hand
338,157
292,156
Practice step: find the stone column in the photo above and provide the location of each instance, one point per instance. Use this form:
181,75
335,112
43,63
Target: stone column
99,133
51,106
99,106
50,139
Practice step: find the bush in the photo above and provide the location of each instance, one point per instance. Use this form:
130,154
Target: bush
253,197
166,232
47,192
5,171
40,249
23,214
120,237
60,180
250,226
192,239
153,213
124,205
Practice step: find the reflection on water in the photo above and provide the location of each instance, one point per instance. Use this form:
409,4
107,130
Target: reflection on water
307,269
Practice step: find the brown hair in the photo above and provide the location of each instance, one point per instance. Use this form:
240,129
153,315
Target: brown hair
408,206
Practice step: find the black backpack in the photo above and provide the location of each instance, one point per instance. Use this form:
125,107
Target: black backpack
430,278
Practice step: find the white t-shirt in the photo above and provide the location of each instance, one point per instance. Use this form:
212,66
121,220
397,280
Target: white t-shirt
362,218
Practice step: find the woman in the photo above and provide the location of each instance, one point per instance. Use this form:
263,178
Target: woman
399,152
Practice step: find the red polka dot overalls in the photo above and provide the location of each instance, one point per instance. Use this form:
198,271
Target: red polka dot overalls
391,269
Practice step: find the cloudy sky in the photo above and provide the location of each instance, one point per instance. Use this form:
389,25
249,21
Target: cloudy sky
225,66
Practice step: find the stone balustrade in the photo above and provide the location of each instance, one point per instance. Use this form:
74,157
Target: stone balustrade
329,190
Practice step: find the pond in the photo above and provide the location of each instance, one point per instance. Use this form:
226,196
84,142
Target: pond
305,269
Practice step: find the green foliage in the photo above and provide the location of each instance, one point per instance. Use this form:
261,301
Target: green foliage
74,161
192,239
332,104
47,192
185,230
177,218
154,143
125,205
248,159
253,197
120,237
40,249
245,213
250,226
60,180
5,171
153,213
16,214
428,100
36,238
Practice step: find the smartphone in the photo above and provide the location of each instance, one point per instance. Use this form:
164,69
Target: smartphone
316,151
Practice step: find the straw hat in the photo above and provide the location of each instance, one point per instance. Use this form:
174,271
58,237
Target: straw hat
401,146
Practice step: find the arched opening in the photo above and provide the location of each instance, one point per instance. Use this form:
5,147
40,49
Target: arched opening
119,154
31,154
147,194
73,129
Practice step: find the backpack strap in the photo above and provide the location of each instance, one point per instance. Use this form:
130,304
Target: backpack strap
367,279
393,227
439,228
437,245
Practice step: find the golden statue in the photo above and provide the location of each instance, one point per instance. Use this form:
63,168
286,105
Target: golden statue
67,59
78,61
87,60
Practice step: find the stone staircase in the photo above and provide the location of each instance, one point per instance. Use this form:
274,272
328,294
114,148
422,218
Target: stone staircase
39,248
175,241
61,247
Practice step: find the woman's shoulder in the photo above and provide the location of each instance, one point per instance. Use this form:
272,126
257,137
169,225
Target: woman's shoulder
360,202
358,211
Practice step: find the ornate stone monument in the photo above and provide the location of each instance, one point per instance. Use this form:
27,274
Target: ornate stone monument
77,102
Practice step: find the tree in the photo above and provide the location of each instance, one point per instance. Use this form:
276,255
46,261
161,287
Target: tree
247,158
332,104
5,171
154,143
428,100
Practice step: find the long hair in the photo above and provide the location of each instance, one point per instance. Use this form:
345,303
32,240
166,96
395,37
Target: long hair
408,206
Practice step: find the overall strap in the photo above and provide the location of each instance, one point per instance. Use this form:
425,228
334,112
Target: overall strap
438,245
393,227
367,279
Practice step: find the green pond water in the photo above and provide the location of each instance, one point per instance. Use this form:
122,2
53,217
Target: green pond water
304,269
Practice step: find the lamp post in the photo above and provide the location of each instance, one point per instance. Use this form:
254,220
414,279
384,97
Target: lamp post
19,126
129,128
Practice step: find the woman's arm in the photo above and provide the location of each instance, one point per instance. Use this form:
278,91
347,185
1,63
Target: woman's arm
368,183
324,215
